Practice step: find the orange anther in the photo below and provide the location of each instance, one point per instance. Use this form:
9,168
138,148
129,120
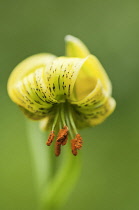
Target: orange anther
62,138
76,144
50,138
62,135
73,147
57,149
79,141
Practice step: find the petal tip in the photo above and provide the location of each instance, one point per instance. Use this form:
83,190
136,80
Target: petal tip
69,38
75,47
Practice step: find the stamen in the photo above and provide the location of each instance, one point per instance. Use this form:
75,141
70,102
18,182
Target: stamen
52,135
55,120
73,147
69,126
65,122
62,115
76,144
61,140
62,135
79,141
50,138
65,141
57,149
72,122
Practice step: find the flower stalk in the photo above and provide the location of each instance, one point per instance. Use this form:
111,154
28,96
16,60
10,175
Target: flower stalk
53,185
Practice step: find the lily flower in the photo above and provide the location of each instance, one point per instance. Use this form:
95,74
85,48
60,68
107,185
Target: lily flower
65,93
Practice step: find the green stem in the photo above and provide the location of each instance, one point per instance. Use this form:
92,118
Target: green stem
53,189
61,185
40,154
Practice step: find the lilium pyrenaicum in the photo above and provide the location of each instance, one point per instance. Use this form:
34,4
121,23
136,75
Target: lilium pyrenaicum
65,93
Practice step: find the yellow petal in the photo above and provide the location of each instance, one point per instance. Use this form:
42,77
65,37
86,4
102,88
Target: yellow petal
92,70
25,68
95,69
75,47
41,81
62,75
95,107
26,86
94,99
96,116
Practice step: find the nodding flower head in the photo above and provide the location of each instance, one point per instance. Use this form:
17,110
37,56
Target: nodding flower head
65,93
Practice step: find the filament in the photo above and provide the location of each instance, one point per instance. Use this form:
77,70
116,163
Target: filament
72,121
55,120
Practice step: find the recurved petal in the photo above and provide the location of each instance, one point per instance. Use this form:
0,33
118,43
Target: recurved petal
38,115
92,69
94,108
95,98
91,117
25,68
27,88
41,81
91,72
95,69
61,77
75,47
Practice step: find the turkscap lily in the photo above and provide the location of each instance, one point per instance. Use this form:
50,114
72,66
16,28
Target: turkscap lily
64,93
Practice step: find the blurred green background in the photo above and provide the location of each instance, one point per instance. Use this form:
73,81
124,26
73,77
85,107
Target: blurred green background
110,174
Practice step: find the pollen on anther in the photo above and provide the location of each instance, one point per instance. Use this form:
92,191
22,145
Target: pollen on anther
79,141
57,149
50,138
76,144
62,138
